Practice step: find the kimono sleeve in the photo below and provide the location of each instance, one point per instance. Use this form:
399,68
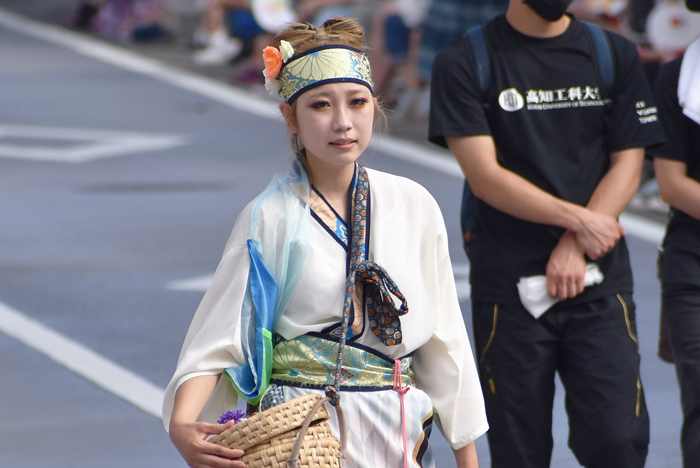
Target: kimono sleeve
444,366
213,341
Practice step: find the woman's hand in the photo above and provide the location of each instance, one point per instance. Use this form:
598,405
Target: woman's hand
190,439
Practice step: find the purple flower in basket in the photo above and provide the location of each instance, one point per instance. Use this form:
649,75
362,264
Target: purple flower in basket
235,415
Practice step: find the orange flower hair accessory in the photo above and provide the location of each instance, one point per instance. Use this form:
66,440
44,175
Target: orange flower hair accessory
274,60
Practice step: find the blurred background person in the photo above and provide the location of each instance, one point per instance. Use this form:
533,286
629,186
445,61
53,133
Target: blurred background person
396,33
317,12
84,13
231,29
124,20
677,165
446,20
664,34
218,46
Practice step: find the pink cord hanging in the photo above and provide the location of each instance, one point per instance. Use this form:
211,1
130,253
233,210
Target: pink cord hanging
398,387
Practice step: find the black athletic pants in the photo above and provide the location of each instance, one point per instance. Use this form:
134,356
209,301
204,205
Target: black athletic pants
594,348
681,306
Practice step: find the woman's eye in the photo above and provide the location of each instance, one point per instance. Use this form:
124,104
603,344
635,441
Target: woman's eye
359,102
319,104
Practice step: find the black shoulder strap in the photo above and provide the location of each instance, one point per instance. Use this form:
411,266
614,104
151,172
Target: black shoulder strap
481,56
606,67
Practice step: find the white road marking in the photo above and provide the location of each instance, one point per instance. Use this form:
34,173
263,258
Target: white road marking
643,228
461,274
432,158
197,283
85,144
83,361
464,289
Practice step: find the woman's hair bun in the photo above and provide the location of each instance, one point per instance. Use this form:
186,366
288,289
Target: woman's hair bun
347,28
335,31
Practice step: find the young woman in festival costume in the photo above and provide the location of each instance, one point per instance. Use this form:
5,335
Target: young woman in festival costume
267,329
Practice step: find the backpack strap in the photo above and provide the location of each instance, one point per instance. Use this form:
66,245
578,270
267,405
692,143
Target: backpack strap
477,40
604,56
481,56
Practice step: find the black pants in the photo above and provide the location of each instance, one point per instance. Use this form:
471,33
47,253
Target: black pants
594,348
681,306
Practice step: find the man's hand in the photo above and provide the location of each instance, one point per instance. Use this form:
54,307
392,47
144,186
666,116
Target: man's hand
598,233
566,268
190,441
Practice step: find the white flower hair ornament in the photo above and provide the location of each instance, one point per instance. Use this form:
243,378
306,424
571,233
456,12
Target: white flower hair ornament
274,59
286,50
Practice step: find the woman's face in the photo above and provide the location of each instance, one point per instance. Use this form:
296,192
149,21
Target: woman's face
334,123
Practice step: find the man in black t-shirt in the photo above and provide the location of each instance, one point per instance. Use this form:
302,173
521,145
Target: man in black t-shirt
677,168
552,164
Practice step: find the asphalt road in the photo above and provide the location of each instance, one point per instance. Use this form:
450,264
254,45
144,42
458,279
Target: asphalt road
120,180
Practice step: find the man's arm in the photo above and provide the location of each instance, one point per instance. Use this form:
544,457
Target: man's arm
619,185
597,232
567,264
676,188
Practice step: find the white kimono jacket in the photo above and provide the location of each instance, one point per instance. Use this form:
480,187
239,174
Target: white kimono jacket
407,238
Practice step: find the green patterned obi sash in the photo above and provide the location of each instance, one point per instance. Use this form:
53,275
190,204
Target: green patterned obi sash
310,361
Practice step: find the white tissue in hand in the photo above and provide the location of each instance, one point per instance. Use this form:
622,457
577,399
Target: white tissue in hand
533,290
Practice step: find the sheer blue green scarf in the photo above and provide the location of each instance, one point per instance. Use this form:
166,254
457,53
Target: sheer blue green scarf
278,248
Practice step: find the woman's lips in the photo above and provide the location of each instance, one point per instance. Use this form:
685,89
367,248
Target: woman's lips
343,142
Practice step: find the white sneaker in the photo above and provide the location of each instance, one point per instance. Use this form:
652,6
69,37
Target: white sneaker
201,38
219,52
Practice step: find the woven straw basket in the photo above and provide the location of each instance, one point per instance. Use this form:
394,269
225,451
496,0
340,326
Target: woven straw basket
268,437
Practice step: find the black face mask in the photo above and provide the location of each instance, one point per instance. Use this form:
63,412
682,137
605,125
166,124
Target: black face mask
693,5
551,10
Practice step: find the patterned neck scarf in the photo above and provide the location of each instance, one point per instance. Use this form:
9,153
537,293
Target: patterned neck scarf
382,312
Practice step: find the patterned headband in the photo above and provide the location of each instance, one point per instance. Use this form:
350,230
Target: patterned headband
312,68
